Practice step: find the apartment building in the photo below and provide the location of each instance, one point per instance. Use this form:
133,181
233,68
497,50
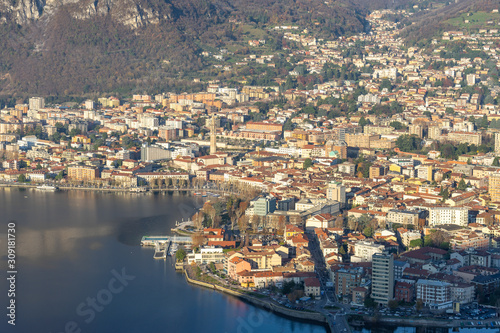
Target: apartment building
83,173
382,277
494,187
364,251
434,294
448,215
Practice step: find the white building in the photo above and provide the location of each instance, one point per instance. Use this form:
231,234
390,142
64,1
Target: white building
364,251
407,237
336,191
497,143
448,215
348,168
150,122
89,104
206,255
36,103
319,221
434,294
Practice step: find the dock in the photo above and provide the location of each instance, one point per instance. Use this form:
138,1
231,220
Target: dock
161,251
162,244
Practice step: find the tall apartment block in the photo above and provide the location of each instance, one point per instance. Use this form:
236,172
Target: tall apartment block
382,277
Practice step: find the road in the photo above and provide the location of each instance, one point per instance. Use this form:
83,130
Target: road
337,321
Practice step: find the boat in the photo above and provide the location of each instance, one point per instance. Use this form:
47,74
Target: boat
141,189
173,248
46,187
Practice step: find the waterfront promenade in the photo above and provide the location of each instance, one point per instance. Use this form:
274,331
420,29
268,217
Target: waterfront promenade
118,189
314,317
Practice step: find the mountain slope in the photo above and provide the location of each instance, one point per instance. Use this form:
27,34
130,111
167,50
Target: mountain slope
64,47
426,25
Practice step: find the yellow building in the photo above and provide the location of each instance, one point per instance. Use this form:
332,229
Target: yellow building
395,168
291,230
80,139
83,173
494,187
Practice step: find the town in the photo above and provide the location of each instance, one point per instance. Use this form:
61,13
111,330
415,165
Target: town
365,186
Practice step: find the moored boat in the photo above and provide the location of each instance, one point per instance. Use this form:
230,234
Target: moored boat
46,187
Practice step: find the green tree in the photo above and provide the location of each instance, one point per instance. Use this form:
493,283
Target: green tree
445,193
74,132
386,84
409,143
416,243
342,250
483,122
363,122
288,287
462,185
368,231
307,163
60,175
370,302
397,125
496,162
22,178
180,255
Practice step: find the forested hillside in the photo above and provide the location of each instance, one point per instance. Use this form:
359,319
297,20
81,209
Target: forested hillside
119,46
425,25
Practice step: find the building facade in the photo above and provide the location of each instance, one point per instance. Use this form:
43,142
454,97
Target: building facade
448,215
382,277
83,173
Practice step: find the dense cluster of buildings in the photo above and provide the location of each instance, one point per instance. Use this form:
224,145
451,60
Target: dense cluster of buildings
381,214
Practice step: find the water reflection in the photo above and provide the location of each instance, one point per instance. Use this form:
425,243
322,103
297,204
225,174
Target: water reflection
69,242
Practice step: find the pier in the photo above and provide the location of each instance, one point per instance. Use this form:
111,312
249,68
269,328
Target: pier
162,244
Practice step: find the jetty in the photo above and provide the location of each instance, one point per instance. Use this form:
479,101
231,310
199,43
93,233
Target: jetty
162,244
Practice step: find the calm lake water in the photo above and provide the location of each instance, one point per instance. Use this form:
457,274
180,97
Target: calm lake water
81,269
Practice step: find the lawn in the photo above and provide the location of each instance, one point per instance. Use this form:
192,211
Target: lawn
253,32
476,20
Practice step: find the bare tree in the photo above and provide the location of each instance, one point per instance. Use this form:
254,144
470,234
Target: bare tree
339,222
198,220
197,239
238,213
243,223
281,224
352,223
210,210
254,222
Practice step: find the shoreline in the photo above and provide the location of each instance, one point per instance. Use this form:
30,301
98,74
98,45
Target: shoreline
127,190
311,317
320,319
422,322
